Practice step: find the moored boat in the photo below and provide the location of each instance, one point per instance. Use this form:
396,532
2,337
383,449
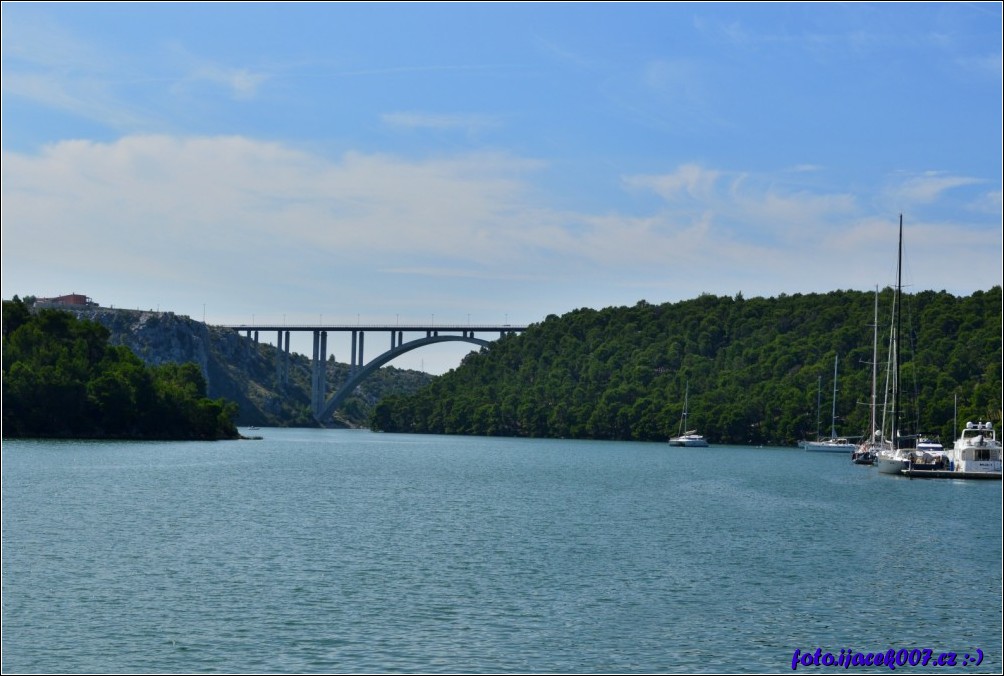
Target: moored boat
977,451
689,438
864,454
834,444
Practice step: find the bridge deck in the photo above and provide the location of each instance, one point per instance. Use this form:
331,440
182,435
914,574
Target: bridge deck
377,327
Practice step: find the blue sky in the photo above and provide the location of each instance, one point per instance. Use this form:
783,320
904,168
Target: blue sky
493,162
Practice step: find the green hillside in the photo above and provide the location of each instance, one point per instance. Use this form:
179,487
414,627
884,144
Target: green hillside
754,366
63,379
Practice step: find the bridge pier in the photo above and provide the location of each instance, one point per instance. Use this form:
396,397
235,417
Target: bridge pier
319,371
282,360
358,338
285,362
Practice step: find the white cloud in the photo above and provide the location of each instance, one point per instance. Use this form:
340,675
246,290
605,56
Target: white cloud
928,187
690,180
246,219
231,195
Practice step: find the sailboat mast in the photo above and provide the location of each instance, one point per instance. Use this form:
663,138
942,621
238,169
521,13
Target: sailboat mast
683,418
833,413
819,400
899,319
874,366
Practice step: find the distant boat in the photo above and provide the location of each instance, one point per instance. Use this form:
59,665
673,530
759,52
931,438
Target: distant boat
834,444
690,437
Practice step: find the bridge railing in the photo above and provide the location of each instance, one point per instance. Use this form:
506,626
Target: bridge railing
516,328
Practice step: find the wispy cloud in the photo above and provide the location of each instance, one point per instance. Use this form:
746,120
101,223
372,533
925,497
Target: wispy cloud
241,83
689,180
50,67
417,120
930,186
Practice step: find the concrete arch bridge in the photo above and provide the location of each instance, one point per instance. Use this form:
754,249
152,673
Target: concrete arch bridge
323,406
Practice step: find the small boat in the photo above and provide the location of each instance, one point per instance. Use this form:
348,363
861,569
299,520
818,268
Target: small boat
864,454
689,438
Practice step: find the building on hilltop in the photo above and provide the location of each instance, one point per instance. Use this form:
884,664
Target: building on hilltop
72,300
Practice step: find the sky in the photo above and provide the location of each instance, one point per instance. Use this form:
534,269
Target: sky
486,163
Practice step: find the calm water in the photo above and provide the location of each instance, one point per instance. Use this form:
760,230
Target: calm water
347,551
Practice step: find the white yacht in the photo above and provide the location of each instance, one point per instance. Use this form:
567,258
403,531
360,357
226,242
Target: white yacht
977,450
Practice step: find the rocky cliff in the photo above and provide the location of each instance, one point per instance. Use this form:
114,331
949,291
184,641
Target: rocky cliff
242,371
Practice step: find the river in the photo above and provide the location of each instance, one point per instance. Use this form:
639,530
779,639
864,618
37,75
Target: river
352,551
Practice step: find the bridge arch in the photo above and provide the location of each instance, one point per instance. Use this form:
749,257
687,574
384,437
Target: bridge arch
346,389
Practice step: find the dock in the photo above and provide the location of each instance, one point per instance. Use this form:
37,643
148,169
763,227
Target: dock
948,474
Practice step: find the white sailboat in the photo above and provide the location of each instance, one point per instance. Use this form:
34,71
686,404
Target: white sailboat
689,437
892,459
834,444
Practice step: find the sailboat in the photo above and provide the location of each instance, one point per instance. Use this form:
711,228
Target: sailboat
690,437
834,444
893,459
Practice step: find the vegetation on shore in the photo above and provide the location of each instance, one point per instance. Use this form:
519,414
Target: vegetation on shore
755,368
62,379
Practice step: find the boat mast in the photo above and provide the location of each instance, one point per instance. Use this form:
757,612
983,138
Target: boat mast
833,413
895,341
888,378
683,418
955,418
819,400
874,366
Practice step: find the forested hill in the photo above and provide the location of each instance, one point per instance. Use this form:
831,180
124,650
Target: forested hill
63,379
754,368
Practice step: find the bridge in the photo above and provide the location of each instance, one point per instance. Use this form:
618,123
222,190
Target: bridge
429,334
